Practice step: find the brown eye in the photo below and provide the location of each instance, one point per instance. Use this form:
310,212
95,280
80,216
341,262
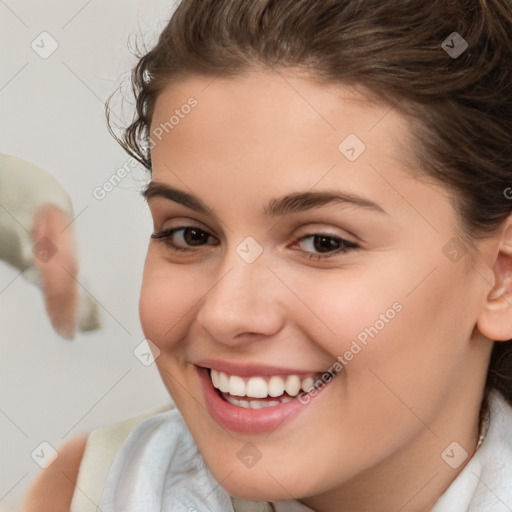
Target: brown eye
326,243
184,238
319,243
194,236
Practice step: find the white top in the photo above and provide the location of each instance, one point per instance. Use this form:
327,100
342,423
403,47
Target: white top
485,483
159,469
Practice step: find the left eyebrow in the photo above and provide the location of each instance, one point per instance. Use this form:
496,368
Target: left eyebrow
291,203
302,201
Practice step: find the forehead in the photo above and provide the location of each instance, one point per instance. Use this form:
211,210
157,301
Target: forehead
266,102
275,113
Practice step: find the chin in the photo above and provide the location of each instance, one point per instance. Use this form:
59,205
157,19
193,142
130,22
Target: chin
259,483
266,490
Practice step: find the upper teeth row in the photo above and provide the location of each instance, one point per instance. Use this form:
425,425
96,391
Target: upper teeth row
258,387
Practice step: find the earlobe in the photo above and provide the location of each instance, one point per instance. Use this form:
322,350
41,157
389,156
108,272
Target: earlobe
495,319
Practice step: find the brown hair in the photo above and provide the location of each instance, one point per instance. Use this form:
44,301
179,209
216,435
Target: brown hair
459,107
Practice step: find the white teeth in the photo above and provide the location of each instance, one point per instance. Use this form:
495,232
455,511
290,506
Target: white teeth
260,387
275,386
256,388
255,404
292,385
223,382
308,384
215,378
236,386
232,400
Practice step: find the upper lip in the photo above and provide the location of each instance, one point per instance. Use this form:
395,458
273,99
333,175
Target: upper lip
251,369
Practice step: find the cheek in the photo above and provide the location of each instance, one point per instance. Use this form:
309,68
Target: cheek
341,307
166,301
390,320
420,353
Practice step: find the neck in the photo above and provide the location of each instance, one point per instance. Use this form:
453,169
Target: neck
414,477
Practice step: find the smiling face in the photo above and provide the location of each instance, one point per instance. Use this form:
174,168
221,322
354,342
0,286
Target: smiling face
297,251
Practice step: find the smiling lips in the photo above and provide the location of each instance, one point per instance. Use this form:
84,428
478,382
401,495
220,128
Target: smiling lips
256,399
257,392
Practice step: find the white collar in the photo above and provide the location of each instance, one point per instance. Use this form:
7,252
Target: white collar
485,483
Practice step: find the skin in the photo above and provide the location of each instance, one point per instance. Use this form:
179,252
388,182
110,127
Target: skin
372,440
53,489
58,270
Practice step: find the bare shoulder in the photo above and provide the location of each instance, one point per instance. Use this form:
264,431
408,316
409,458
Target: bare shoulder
52,490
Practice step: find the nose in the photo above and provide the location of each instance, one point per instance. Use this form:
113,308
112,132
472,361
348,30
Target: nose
243,303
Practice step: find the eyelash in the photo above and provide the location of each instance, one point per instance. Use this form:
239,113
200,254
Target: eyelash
344,245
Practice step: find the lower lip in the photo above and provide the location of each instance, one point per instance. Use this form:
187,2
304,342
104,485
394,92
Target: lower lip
249,421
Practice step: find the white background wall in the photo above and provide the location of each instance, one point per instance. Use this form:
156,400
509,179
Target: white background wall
52,114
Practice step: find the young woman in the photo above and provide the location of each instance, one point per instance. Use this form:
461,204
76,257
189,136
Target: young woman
328,287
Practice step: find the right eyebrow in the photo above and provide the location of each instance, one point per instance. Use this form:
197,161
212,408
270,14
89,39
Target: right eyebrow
157,189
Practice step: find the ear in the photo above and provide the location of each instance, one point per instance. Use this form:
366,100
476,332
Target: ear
495,319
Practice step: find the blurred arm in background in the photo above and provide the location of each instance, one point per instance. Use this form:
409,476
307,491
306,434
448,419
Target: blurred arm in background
37,238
